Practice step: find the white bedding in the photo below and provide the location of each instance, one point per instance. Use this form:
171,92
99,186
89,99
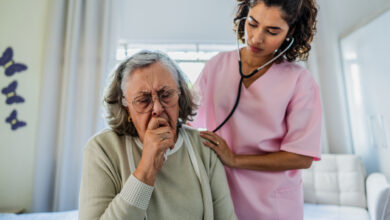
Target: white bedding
312,212
68,215
334,212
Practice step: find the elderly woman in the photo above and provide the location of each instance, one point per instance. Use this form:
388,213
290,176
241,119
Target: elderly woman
150,165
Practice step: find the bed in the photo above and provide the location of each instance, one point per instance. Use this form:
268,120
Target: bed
67,215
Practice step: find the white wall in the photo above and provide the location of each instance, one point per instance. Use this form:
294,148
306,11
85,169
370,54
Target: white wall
337,18
365,59
178,21
22,26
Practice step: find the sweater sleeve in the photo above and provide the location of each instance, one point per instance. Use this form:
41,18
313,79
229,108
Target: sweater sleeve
222,201
101,198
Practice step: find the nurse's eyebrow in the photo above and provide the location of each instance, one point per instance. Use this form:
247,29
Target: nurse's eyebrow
274,27
253,19
270,27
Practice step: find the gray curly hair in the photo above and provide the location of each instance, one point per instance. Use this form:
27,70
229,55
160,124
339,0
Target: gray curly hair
116,111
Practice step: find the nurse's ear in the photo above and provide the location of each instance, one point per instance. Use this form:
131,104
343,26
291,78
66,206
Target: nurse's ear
290,33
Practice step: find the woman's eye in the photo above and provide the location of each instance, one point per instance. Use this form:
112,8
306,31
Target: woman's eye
272,33
165,95
252,25
143,100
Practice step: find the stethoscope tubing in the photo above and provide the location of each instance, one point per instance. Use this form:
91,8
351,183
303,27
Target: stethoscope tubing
247,76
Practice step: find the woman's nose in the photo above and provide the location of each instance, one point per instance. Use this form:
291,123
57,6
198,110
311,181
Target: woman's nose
157,107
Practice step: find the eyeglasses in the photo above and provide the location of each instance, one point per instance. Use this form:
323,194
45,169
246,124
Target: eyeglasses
144,103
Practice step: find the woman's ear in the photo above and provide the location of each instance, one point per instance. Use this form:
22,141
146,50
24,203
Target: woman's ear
125,102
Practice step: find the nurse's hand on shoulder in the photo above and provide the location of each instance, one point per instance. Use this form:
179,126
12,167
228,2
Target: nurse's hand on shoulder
220,147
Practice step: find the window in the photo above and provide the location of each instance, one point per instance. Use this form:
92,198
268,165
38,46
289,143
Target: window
190,57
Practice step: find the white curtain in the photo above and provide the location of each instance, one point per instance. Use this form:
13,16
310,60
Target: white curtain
312,66
82,37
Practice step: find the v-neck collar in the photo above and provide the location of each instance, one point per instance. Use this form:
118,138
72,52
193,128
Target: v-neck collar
258,79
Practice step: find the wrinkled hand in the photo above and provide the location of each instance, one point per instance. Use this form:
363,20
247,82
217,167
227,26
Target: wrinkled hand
157,139
219,145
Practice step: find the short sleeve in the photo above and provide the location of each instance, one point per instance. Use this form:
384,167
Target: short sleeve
303,119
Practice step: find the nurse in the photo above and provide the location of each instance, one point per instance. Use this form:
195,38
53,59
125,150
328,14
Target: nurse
274,131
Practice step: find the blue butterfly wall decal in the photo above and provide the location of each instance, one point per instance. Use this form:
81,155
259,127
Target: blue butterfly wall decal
10,93
9,64
14,122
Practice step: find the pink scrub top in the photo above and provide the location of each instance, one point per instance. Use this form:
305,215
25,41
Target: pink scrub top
280,111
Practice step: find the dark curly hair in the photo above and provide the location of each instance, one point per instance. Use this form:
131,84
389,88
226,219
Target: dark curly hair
300,15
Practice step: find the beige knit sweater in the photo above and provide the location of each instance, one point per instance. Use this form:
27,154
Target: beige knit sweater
108,191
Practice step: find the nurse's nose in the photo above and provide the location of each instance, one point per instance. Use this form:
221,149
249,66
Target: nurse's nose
258,37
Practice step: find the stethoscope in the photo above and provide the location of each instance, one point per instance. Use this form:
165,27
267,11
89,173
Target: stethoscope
291,40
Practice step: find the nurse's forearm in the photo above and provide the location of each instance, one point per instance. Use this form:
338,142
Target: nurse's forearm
278,161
